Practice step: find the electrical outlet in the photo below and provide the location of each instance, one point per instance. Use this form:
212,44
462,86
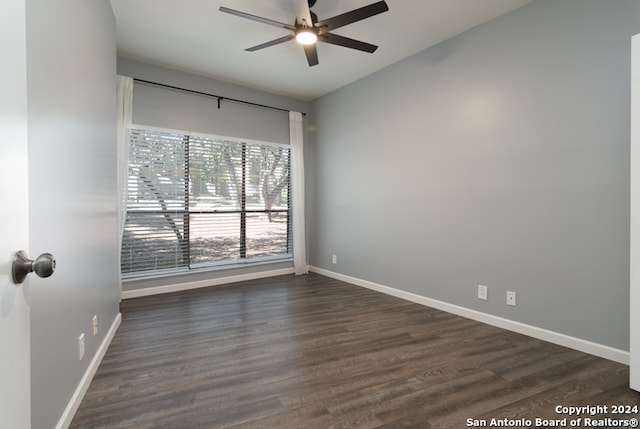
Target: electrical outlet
483,292
94,324
511,298
81,346
334,259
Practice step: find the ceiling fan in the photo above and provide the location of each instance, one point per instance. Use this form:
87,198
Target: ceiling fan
307,30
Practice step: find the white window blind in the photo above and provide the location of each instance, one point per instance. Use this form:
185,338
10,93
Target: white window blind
199,201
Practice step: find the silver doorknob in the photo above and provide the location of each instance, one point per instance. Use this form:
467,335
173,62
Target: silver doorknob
43,266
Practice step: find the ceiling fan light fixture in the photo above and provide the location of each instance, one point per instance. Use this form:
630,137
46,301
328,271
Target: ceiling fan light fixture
306,36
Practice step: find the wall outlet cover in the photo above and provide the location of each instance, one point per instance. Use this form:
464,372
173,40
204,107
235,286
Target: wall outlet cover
483,292
81,346
94,324
511,298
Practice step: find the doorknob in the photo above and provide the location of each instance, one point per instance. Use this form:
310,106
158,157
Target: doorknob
43,266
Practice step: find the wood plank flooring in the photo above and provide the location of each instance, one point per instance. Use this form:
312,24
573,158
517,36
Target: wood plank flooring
313,352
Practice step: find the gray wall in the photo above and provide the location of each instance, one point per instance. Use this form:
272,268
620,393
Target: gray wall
499,157
71,66
166,108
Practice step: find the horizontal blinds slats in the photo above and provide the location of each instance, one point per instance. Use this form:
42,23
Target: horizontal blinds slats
150,243
197,201
216,173
267,237
155,235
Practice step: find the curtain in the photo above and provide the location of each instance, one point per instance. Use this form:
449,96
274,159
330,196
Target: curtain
297,193
124,91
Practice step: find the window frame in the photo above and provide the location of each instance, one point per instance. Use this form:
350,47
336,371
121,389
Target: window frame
214,265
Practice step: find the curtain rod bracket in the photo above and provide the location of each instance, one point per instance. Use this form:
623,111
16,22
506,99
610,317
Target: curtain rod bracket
219,101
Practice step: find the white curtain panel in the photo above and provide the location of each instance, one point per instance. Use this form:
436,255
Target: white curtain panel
297,192
124,88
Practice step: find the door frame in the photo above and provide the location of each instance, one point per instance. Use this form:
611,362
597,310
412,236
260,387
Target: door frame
634,261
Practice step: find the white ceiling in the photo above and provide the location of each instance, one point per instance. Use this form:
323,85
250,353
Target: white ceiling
192,35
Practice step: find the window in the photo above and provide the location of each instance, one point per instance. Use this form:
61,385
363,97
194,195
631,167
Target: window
198,201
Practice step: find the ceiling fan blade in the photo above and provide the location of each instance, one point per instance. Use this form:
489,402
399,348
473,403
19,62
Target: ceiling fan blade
335,39
303,13
353,16
271,43
257,18
311,51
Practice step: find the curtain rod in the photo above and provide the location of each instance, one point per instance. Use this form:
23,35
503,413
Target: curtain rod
219,97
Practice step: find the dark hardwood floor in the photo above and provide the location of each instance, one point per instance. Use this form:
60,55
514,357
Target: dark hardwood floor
313,352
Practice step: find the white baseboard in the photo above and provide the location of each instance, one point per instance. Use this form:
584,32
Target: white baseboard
136,293
76,399
596,349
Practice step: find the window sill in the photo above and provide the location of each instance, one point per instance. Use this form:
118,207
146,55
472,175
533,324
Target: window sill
205,268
